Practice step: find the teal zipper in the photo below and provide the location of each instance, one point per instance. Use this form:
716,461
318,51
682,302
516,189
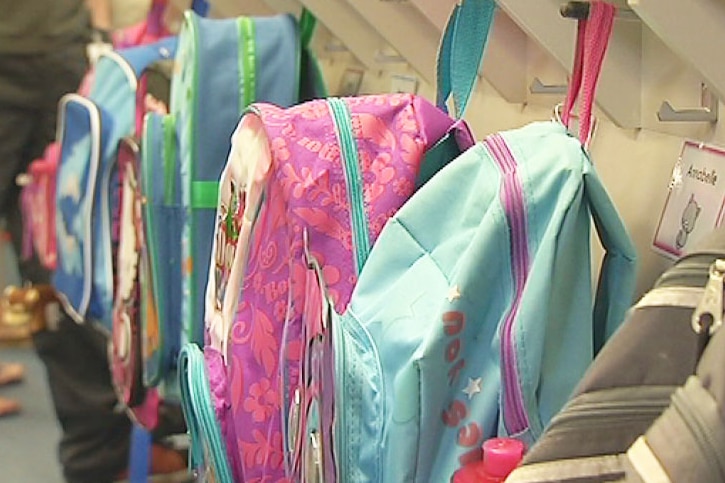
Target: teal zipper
339,434
189,324
169,131
348,426
247,62
198,410
353,179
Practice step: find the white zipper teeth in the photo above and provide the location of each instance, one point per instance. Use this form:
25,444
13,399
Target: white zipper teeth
124,66
106,227
95,128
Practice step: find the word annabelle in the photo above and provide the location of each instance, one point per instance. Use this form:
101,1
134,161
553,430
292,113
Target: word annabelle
703,175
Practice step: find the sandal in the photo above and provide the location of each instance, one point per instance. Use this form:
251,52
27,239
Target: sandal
35,307
11,373
8,407
167,465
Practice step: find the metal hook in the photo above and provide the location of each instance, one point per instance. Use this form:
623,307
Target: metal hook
335,47
538,87
384,58
580,11
707,113
592,132
576,10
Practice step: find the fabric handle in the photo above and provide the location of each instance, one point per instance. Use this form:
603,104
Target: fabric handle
204,194
618,271
591,44
461,51
186,385
308,23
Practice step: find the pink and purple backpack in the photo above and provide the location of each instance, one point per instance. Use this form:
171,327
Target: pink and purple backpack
328,171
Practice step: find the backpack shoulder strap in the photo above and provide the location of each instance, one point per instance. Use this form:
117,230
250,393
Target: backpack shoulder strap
461,51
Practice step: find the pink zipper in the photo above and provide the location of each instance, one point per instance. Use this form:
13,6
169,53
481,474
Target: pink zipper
512,197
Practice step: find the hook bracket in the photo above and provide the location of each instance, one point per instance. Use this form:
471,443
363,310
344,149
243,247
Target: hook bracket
335,47
538,87
708,112
576,10
387,58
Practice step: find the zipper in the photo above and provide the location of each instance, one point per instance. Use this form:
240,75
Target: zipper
78,313
293,421
707,317
247,62
339,439
199,395
346,436
353,179
512,197
169,159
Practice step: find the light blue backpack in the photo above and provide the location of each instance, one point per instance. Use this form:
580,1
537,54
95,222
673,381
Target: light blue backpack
89,131
474,314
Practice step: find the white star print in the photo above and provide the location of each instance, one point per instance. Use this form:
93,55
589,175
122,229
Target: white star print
473,388
453,293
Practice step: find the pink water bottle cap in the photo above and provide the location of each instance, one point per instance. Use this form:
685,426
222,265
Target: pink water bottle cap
502,455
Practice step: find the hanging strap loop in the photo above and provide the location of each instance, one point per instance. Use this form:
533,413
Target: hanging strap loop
461,51
593,35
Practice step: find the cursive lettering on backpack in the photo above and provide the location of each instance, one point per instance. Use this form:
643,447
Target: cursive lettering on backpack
470,434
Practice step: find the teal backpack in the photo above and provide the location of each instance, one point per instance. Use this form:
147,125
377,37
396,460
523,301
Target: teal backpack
474,314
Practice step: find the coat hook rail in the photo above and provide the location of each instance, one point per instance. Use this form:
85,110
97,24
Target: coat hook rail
580,10
575,10
707,112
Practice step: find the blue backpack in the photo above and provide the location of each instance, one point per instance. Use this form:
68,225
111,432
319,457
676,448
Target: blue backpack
223,66
161,261
473,315
89,132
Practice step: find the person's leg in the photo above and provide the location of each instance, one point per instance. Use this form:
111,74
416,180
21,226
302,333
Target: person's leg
95,430
16,125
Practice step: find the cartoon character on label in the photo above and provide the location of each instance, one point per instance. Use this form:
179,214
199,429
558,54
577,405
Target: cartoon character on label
689,217
230,221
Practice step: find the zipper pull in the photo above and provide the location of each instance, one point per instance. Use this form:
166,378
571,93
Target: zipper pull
707,318
293,422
